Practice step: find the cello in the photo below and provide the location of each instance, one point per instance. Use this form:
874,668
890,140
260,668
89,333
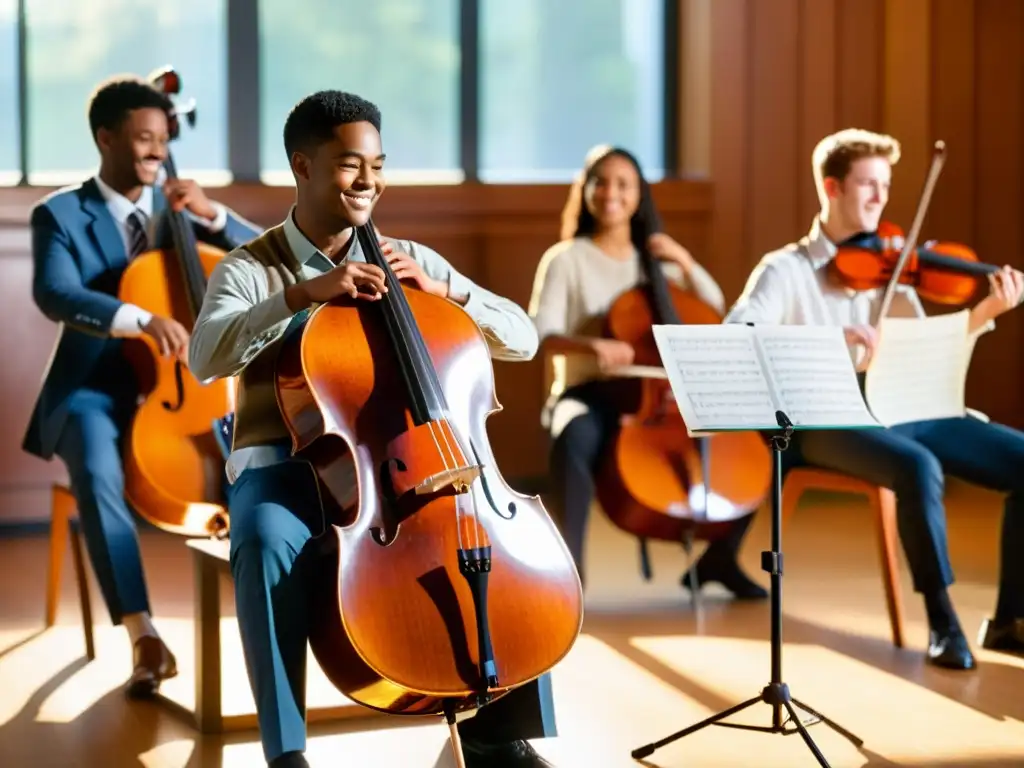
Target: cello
441,588
658,482
173,460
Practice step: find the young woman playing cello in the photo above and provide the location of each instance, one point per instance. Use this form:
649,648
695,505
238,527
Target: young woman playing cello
577,281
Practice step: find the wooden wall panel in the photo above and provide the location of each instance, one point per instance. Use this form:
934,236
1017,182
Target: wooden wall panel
25,349
774,120
731,34
906,101
860,62
953,107
998,197
785,74
817,102
495,235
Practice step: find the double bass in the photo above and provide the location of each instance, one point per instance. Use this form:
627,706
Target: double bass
657,481
174,457
441,588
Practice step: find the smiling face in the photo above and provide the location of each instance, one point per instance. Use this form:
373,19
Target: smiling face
857,202
342,178
136,149
612,193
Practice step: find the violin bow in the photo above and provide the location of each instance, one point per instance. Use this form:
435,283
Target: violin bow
938,160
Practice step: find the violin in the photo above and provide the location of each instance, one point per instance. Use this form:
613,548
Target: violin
658,482
440,589
174,463
941,272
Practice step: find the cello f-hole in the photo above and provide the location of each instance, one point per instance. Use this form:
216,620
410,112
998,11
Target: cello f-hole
389,509
487,491
179,384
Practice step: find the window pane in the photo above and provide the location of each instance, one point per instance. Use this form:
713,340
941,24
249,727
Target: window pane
9,171
560,77
403,55
74,45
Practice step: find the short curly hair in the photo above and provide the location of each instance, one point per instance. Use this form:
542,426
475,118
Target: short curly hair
115,97
312,121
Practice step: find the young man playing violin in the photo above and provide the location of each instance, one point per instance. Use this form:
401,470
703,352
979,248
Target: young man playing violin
254,297
853,171
83,238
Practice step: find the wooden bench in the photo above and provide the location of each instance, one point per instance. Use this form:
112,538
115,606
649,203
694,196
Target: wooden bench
210,562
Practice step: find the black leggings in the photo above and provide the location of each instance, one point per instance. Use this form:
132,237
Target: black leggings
575,457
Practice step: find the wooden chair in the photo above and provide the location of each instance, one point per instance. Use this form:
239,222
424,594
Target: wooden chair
63,508
883,501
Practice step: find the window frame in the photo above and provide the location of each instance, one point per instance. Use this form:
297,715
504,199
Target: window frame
243,91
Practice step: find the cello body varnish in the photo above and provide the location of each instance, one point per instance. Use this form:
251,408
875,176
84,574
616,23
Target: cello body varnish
440,588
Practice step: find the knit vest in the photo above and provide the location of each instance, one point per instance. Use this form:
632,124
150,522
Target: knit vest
257,416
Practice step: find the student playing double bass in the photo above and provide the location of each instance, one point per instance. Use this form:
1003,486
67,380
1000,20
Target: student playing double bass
83,238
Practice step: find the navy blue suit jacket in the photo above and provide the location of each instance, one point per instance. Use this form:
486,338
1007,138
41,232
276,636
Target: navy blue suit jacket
78,258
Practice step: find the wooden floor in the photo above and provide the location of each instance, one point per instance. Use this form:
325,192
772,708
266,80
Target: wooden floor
642,669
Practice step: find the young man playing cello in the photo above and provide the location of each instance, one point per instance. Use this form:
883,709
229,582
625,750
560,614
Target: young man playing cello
853,170
83,238
254,296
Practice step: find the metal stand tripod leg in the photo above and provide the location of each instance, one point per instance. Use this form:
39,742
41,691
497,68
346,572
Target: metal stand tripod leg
776,693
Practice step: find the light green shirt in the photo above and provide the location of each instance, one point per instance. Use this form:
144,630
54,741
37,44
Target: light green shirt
241,316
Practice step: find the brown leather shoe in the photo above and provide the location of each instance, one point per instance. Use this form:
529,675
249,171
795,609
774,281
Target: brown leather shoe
153,663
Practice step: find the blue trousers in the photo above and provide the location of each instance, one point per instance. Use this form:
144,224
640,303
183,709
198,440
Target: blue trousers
913,459
90,447
275,512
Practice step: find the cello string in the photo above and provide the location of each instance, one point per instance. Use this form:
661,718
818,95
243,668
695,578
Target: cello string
402,315
475,515
458,510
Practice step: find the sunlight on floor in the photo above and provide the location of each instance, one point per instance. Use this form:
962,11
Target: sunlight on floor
644,668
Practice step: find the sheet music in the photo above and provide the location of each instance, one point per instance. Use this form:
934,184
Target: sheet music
716,376
814,378
919,370
735,377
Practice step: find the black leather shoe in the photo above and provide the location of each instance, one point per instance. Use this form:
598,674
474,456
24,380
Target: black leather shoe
512,754
949,649
289,760
729,576
1006,636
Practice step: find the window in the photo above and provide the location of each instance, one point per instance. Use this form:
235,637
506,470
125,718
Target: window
10,172
559,77
74,45
403,55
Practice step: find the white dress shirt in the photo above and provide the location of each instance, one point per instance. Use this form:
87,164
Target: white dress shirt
130,319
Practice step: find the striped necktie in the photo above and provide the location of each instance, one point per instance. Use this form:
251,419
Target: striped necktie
138,240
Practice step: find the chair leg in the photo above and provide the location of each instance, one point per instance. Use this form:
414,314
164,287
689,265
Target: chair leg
59,514
83,592
888,539
63,534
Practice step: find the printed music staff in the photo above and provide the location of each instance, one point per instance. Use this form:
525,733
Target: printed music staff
735,377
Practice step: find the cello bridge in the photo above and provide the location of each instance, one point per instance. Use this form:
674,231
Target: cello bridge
459,478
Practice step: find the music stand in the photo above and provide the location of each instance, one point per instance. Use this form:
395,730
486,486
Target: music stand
776,693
